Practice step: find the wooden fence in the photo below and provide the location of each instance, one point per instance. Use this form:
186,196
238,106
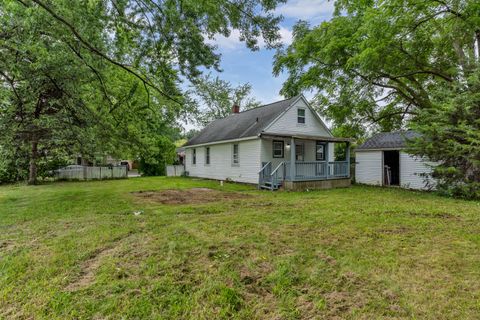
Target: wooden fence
91,173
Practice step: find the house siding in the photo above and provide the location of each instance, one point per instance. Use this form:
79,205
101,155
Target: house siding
368,168
410,169
221,167
287,123
309,145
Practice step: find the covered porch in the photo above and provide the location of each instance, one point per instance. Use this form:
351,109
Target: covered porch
297,162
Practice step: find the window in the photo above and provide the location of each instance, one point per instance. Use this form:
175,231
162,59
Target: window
194,156
207,155
320,151
235,155
278,149
299,152
301,116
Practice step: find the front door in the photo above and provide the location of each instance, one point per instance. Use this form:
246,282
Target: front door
320,167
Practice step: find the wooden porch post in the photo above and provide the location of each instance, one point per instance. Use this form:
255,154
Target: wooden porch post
348,158
293,167
327,158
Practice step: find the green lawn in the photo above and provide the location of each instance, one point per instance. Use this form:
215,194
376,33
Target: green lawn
76,250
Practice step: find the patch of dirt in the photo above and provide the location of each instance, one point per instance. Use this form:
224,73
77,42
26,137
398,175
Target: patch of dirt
89,267
442,215
6,245
341,302
435,215
260,204
398,230
252,277
88,270
328,259
189,196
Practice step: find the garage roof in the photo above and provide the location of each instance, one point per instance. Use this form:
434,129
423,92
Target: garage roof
388,140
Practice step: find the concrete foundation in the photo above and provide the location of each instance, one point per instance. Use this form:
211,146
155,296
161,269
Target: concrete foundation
316,184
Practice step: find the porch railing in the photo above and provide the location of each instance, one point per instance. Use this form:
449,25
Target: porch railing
305,170
318,170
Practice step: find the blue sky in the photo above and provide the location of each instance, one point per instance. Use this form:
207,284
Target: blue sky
241,65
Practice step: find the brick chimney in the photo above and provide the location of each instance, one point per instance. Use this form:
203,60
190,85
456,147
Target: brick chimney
235,108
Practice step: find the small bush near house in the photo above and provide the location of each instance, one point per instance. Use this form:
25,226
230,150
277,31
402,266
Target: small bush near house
155,160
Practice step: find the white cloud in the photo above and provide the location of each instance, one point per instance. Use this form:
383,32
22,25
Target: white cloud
227,43
286,36
307,9
233,41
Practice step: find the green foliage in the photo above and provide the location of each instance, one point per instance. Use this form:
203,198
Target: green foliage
161,154
102,77
214,98
8,167
451,136
388,65
375,63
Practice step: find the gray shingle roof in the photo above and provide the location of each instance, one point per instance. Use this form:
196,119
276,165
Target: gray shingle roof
388,140
241,125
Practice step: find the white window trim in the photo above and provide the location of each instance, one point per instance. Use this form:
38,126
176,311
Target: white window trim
304,116
209,156
283,149
233,155
194,156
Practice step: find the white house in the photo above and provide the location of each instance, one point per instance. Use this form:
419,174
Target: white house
284,143
382,160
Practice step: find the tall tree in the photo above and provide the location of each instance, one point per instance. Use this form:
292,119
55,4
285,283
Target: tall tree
451,137
214,98
375,63
385,65
91,71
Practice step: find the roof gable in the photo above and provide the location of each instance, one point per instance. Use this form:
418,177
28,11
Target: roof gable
248,123
287,121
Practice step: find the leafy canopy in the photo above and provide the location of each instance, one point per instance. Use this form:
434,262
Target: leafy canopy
386,65
214,98
96,76
375,63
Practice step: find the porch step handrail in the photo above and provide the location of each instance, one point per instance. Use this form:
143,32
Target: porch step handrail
274,176
264,174
263,168
278,167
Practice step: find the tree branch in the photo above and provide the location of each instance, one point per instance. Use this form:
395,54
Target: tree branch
98,52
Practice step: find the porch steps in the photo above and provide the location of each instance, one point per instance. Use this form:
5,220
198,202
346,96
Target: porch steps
268,186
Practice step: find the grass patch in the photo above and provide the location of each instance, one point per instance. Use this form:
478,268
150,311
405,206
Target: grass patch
76,250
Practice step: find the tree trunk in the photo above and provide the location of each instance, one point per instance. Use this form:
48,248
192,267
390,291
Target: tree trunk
477,38
32,176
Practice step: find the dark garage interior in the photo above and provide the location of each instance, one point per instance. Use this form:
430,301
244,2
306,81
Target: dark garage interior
391,165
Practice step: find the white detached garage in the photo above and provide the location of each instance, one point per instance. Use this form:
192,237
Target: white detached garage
382,161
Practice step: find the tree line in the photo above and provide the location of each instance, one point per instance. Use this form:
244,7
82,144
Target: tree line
105,76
